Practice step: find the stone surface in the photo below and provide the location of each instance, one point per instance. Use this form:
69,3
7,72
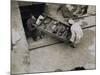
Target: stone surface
62,56
19,53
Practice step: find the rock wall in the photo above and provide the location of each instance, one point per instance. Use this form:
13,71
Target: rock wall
19,52
91,9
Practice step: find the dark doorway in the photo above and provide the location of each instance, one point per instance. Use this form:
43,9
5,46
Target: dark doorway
34,8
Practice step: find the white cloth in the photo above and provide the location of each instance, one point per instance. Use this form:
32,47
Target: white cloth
77,33
39,20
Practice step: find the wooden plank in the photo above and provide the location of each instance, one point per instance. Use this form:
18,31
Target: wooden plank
42,42
58,24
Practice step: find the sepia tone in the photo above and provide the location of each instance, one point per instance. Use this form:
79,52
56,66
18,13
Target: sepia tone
49,54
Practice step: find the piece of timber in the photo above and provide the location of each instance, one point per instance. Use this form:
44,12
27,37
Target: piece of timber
55,29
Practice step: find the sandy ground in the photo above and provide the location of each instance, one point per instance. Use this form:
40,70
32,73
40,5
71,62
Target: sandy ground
62,56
